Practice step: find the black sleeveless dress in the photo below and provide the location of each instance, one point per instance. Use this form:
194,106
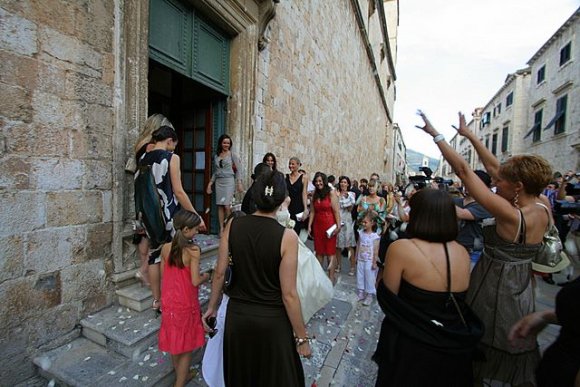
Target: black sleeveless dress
297,205
259,348
424,340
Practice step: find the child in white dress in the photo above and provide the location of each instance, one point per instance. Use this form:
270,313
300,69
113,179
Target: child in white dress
367,253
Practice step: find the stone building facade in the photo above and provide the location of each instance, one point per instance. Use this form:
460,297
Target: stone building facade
314,79
536,111
553,114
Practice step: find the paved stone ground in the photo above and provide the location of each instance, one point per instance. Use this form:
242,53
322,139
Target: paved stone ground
346,333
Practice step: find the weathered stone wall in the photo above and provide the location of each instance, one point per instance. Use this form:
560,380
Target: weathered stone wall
317,97
56,125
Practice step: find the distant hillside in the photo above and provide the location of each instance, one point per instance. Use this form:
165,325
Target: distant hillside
415,160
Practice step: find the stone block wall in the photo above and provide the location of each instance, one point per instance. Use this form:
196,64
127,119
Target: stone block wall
317,97
56,127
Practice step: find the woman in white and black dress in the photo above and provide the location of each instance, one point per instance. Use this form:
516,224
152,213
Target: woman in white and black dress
264,334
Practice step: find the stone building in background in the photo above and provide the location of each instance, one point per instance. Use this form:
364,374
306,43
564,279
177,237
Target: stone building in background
314,79
537,110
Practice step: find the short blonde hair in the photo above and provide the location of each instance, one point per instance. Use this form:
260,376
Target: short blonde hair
154,122
534,172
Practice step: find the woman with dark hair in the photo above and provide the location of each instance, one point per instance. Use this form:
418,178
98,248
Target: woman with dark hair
428,335
345,239
324,222
226,177
165,168
501,290
264,332
144,144
270,159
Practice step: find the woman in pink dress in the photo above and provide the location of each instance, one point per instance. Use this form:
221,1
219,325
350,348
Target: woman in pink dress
324,214
181,328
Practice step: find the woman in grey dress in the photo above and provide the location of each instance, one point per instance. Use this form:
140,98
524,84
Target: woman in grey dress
226,177
500,291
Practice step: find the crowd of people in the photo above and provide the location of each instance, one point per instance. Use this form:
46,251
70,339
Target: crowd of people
451,267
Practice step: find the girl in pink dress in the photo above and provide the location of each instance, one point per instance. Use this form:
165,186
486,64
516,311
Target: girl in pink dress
324,214
181,328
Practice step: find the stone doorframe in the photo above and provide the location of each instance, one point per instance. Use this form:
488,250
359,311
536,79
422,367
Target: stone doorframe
247,25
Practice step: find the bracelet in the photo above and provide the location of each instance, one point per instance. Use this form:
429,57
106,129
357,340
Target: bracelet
438,138
301,340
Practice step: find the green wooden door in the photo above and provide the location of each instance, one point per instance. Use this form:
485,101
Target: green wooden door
182,40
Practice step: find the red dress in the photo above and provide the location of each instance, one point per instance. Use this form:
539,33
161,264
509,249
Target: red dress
323,220
181,329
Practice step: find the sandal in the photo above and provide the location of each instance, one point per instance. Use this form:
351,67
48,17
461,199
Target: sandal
156,307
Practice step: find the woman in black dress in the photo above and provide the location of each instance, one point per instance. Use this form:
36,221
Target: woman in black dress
297,185
429,335
264,332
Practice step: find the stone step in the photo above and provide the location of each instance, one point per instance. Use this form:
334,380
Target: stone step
136,297
122,330
84,363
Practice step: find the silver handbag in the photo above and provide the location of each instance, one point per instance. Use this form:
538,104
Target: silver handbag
550,258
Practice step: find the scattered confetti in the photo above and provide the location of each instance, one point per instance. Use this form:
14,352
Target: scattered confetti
136,377
87,358
145,378
122,379
147,357
111,372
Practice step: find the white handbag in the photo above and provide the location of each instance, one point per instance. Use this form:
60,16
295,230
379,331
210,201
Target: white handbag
314,287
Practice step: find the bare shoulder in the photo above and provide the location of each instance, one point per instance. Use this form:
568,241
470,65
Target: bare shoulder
399,248
289,236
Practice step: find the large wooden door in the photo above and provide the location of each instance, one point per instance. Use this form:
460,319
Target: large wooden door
196,137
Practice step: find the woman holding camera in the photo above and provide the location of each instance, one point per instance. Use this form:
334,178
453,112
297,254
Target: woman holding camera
500,291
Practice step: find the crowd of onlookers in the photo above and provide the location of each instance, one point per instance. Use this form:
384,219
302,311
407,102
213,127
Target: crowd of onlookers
450,264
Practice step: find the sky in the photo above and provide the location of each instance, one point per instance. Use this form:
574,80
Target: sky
454,55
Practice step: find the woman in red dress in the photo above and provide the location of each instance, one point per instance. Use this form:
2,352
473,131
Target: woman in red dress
324,214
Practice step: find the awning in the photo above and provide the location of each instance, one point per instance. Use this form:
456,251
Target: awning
535,127
556,118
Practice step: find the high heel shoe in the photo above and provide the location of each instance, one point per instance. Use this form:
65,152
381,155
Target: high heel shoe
156,307
142,278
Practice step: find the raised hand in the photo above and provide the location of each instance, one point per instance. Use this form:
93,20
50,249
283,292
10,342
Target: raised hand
427,128
463,130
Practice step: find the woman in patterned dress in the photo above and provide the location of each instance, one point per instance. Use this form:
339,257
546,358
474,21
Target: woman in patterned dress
345,239
165,167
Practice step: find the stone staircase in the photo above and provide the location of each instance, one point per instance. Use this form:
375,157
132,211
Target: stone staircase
118,345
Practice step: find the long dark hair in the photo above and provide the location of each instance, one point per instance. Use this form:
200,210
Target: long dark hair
432,217
219,143
270,154
182,219
269,190
347,180
321,193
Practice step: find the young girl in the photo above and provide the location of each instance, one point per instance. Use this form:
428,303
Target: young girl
367,251
181,328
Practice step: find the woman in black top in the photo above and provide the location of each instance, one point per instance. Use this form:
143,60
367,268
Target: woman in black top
297,185
264,332
429,335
